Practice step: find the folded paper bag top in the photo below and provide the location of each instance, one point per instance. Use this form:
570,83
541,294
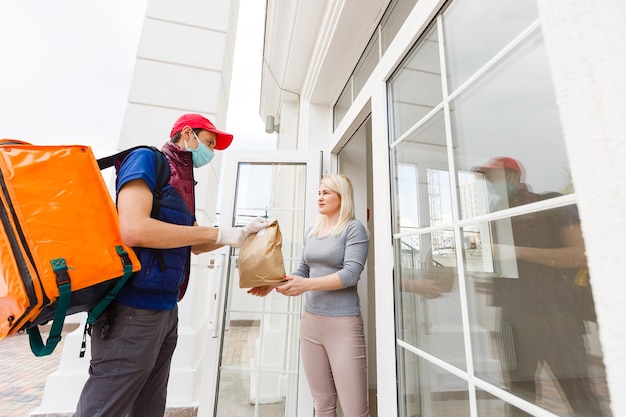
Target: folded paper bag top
261,258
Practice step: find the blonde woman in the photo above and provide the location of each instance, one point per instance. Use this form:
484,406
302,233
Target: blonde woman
332,340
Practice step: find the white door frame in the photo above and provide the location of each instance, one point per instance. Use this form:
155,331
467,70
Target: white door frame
231,162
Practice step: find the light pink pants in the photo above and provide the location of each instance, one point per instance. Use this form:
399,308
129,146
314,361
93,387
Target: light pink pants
333,356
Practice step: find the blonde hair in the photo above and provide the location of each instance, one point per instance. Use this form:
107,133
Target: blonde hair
341,185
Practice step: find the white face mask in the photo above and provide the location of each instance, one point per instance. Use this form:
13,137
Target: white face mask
202,155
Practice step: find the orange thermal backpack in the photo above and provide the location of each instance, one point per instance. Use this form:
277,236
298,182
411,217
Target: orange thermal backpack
60,247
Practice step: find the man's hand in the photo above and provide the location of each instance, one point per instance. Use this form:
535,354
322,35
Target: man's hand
425,287
256,225
504,252
234,236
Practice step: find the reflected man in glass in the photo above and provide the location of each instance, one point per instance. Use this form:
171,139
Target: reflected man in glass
540,293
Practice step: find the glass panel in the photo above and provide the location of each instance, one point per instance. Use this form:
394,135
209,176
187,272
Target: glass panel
281,195
253,394
428,302
394,19
253,197
422,182
366,64
532,321
476,30
529,293
343,104
258,371
490,406
511,113
426,390
416,88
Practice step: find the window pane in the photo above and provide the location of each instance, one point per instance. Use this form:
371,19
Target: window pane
476,30
416,88
429,307
394,18
529,295
426,390
366,64
510,112
531,316
490,406
343,104
422,181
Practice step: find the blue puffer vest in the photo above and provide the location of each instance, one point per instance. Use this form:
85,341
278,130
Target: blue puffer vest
167,270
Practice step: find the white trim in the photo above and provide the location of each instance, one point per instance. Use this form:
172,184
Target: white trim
383,252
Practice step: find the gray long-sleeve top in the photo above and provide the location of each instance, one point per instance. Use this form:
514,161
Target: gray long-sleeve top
345,254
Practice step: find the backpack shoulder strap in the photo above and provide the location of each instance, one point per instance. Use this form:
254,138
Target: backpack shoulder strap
163,177
162,165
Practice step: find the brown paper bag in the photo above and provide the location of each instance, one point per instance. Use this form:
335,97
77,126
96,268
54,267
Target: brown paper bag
261,258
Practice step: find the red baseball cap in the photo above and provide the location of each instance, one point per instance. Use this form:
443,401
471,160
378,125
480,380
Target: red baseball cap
194,121
500,162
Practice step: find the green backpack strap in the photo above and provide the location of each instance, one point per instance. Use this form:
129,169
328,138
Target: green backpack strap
59,267
95,312
65,292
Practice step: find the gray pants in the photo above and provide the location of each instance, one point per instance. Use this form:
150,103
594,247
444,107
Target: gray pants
333,357
130,365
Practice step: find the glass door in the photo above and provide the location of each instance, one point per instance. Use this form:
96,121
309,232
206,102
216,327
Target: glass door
258,364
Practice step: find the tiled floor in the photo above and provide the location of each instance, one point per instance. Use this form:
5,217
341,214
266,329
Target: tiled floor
239,342
23,375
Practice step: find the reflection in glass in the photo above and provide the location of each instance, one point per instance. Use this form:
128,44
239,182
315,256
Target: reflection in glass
415,89
532,325
528,285
428,303
511,112
490,406
426,390
476,30
422,182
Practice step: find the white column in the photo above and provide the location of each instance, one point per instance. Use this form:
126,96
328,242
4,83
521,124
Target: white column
184,65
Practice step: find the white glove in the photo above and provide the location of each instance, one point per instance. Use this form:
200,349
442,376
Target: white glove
234,236
256,225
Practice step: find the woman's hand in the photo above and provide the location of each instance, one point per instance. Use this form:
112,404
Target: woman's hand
261,291
294,286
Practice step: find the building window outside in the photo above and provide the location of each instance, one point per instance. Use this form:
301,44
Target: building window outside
392,20
491,281
343,104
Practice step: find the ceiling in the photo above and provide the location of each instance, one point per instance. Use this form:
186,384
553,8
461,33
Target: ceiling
311,47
